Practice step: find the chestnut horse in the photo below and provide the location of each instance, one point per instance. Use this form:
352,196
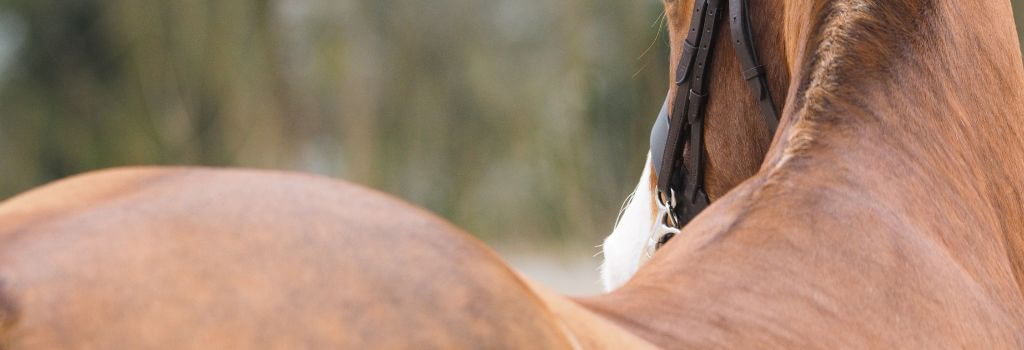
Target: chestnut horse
888,213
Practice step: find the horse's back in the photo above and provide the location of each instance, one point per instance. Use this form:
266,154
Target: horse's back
196,258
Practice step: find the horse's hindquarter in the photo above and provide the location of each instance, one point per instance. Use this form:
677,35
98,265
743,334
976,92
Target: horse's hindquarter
194,258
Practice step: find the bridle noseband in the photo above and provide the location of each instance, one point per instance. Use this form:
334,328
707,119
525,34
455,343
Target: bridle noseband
681,181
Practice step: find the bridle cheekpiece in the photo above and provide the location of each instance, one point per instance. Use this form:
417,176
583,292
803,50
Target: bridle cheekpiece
681,179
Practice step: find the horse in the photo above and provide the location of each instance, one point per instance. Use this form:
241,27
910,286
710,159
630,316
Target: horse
736,144
882,215
889,210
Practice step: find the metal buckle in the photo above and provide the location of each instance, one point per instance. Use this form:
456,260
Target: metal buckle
666,223
668,202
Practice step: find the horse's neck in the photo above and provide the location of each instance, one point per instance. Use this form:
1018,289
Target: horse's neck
894,184
918,103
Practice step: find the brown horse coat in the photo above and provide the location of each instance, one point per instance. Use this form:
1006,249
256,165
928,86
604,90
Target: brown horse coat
890,210
889,213
196,258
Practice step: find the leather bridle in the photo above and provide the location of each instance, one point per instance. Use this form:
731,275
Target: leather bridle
681,179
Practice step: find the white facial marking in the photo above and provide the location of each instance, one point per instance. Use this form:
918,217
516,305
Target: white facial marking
636,232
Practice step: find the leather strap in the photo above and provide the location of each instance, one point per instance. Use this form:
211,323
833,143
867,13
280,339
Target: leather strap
683,122
690,44
667,175
692,89
753,71
687,108
694,197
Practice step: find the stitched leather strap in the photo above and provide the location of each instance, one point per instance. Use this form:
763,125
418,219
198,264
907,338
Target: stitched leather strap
693,65
694,197
682,123
753,71
676,174
690,44
668,176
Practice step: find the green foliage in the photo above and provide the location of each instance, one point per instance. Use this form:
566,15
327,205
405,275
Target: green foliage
514,118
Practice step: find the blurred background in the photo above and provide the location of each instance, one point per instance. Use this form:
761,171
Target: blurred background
523,121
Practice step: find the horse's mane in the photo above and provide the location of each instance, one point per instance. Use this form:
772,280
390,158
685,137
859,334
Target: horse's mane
853,43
